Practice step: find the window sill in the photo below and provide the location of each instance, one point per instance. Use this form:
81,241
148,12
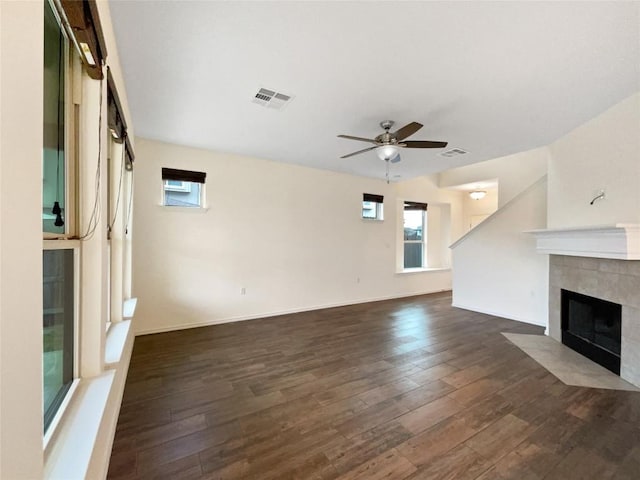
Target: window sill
115,343
78,447
166,208
72,446
129,308
380,220
422,270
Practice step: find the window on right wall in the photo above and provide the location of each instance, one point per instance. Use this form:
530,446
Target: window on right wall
415,228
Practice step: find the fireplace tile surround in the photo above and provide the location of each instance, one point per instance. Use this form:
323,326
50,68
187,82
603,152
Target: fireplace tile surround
613,280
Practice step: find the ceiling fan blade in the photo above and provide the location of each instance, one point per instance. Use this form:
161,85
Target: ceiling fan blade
396,159
424,144
359,151
360,139
407,130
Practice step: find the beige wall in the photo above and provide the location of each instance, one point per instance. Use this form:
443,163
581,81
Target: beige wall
604,153
21,74
514,173
292,237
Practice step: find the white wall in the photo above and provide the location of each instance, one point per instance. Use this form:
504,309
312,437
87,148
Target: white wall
514,173
604,153
479,208
291,236
21,77
496,269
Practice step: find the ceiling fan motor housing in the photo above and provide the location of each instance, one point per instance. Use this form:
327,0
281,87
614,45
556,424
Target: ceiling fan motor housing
387,124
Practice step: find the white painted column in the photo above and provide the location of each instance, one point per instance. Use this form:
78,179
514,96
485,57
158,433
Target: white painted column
118,212
21,98
128,234
93,301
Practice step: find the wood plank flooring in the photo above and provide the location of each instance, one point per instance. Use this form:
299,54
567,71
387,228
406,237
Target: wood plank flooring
400,389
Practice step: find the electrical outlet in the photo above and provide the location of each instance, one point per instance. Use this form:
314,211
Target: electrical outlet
243,291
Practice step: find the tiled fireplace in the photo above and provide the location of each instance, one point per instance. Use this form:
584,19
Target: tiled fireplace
616,281
601,262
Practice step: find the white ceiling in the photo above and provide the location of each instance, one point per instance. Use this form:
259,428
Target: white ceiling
492,78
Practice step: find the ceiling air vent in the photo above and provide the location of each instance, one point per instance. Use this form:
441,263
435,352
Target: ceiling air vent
271,99
453,152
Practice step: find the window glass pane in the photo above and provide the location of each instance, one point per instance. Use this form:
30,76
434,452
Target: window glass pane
413,224
413,255
57,328
181,194
372,210
53,155
369,209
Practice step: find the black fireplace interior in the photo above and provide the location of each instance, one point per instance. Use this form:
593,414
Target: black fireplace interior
592,327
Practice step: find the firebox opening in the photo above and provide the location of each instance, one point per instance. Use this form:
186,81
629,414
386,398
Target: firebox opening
592,327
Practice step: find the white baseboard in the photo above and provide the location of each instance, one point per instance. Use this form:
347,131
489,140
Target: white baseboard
280,312
499,314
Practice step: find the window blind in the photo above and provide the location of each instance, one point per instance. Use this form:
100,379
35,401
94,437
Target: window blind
83,20
370,197
183,175
415,206
115,117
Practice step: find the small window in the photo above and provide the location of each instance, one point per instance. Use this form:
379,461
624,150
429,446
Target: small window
372,206
415,221
182,188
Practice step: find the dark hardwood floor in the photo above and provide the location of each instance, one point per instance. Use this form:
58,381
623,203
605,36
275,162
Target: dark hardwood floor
400,389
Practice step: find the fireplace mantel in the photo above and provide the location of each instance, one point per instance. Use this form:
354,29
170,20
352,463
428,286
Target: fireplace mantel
619,241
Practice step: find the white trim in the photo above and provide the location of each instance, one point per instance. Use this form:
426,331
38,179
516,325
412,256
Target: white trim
60,244
129,308
53,426
282,312
500,315
115,342
71,451
619,241
423,270
194,209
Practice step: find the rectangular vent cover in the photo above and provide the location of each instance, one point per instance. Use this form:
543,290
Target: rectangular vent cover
453,152
271,99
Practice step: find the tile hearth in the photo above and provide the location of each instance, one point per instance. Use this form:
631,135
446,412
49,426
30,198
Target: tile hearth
567,365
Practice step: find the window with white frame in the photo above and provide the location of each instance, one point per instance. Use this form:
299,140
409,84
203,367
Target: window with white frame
60,267
414,225
372,206
183,188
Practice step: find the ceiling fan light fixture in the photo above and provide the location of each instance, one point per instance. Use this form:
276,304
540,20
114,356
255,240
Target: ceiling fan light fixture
477,194
387,152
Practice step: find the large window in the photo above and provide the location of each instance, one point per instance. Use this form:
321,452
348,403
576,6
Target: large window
182,188
415,221
58,322
59,282
53,151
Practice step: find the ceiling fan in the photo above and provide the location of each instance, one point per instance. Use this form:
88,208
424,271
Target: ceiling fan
387,145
